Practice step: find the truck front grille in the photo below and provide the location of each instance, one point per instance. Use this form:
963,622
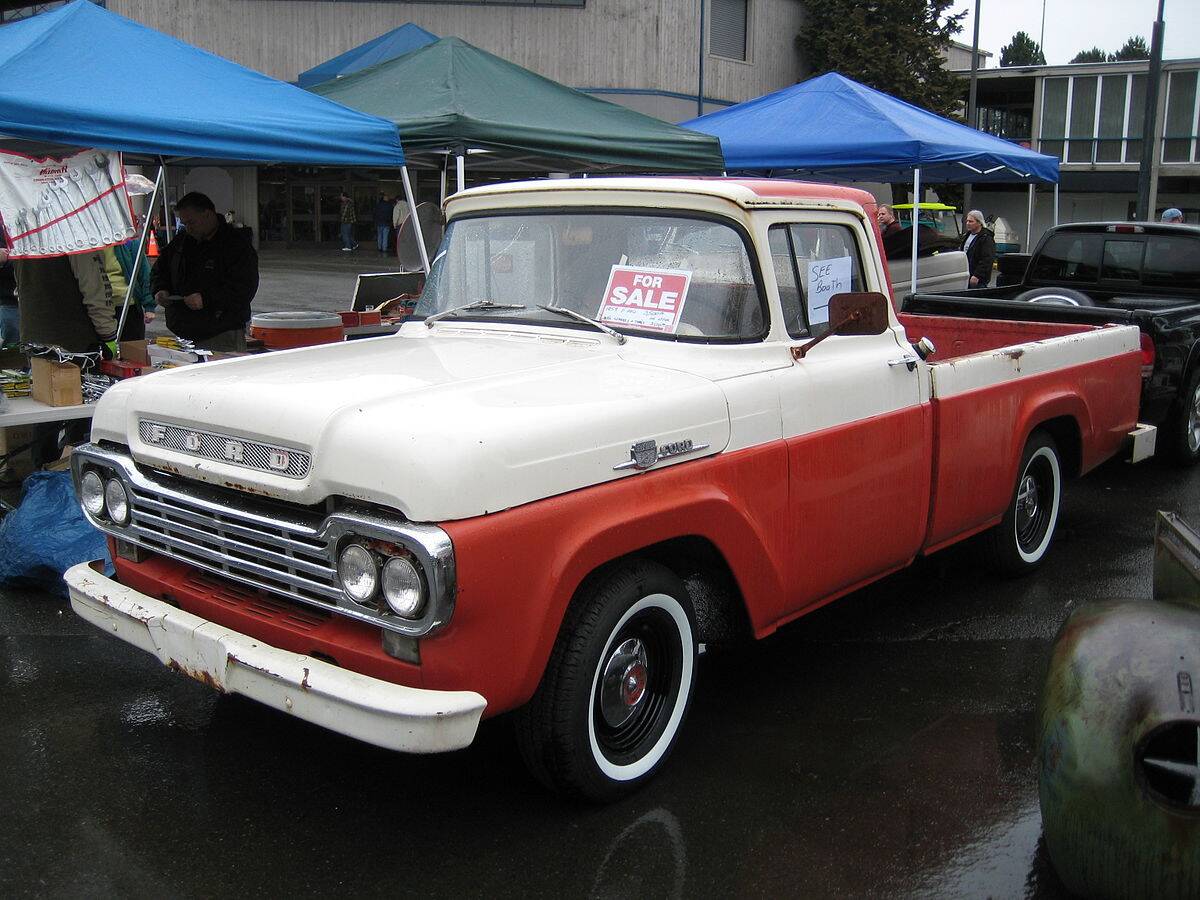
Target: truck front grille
287,558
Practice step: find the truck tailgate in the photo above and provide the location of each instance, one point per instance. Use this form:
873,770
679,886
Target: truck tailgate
993,382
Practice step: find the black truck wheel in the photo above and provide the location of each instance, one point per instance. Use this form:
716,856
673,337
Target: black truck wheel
1020,542
1183,428
1056,296
615,693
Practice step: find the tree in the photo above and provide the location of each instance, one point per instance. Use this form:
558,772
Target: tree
894,46
1135,48
1022,51
1092,56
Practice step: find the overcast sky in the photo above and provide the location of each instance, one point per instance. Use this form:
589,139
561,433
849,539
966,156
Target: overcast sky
1074,25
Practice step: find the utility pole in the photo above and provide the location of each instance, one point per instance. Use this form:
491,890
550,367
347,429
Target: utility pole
972,112
700,85
1150,127
1042,36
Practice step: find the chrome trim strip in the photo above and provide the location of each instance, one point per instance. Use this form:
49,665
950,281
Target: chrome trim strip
197,525
666,451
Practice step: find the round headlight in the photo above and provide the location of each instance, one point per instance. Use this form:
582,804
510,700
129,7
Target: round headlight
358,573
402,588
91,492
117,501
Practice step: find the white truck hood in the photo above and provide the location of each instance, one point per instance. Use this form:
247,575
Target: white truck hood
440,424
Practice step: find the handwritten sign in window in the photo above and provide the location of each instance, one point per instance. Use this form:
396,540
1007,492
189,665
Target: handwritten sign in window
826,277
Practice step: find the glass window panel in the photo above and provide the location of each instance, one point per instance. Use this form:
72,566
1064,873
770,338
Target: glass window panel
1083,119
1122,260
727,30
1133,151
1054,108
1069,257
1172,262
1179,127
1112,117
785,276
824,252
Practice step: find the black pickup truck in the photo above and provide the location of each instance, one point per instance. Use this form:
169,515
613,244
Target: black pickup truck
1131,273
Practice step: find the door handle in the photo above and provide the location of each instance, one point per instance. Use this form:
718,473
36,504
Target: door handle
910,361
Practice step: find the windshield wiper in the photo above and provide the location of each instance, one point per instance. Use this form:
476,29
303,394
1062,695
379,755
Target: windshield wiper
478,304
580,317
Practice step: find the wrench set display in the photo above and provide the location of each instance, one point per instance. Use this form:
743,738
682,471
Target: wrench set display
55,207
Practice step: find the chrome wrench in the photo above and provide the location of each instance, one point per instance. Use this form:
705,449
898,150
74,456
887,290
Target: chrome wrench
98,234
67,221
54,235
101,176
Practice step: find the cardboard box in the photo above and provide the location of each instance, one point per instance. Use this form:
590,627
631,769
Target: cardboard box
20,465
55,383
135,352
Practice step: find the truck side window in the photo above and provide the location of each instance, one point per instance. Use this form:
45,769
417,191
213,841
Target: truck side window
1122,260
827,263
1068,257
783,261
1172,262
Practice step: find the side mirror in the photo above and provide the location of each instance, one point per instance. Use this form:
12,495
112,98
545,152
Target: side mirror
863,313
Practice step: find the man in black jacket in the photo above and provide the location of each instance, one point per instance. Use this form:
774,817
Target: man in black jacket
206,277
980,248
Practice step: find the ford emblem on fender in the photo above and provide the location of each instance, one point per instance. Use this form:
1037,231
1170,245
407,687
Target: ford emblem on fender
644,454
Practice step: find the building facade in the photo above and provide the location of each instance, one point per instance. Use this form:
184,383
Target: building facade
1091,116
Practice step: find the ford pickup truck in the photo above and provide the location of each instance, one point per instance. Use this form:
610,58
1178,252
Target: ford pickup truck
631,417
1135,273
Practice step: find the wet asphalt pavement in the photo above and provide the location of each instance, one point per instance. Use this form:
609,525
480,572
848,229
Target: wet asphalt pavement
881,746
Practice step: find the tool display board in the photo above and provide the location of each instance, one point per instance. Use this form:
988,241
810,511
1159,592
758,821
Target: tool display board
52,206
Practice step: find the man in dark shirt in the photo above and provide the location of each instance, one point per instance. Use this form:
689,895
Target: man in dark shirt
206,277
10,315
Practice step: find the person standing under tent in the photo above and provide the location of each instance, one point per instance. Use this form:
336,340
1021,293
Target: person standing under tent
207,277
886,217
349,220
383,222
980,247
399,214
10,313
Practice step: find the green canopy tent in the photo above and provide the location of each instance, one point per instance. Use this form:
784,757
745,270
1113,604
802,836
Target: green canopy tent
452,98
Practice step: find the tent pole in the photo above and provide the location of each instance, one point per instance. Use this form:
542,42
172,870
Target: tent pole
1056,203
416,220
916,217
167,223
460,165
1029,222
159,181
445,165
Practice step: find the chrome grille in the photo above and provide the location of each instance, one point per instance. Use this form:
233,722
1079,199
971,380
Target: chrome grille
280,557
254,455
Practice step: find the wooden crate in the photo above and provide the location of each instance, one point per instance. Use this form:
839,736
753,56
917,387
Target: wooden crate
55,383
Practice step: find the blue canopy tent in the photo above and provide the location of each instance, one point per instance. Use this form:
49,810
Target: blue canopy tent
835,128
82,76
387,46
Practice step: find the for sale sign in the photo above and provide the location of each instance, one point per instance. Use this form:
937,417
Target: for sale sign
645,298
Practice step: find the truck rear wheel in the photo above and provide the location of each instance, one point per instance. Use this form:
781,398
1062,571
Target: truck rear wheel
1184,429
615,693
1020,542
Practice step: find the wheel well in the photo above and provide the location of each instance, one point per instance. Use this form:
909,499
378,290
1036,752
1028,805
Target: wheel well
1065,431
721,615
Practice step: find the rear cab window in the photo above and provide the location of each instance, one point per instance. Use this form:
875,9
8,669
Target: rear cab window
1070,258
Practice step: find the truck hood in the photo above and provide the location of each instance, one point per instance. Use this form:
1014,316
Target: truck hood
440,424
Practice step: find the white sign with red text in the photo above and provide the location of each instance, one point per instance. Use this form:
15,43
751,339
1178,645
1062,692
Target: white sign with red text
645,298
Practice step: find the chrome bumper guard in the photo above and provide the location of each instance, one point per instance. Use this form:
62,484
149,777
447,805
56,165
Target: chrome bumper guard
288,552
381,713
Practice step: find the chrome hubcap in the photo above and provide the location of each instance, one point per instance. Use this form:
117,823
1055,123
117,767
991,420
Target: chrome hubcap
1027,502
1193,425
623,684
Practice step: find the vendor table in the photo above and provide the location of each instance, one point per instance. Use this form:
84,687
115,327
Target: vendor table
27,411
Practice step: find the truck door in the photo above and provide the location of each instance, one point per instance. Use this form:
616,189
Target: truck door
856,420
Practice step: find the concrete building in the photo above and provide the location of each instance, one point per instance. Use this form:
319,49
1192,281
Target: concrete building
1091,116
649,56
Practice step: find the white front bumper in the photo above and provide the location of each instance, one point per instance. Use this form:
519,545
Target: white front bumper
378,712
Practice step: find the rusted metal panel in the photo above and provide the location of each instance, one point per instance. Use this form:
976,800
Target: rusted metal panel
1176,560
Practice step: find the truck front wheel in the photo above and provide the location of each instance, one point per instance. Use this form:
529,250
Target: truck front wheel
615,693
1020,542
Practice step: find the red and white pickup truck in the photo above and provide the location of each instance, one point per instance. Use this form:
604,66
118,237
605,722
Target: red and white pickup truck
606,439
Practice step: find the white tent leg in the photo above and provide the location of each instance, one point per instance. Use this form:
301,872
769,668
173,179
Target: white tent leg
1029,223
460,165
916,217
168,221
159,182
445,163
416,220
1056,203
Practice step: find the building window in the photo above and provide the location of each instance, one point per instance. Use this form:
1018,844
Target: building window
1180,128
727,28
25,10
1093,119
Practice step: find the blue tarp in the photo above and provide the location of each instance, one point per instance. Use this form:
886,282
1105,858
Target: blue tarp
834,127
84,76
395,43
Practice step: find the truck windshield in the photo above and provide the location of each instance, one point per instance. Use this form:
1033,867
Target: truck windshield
641,274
